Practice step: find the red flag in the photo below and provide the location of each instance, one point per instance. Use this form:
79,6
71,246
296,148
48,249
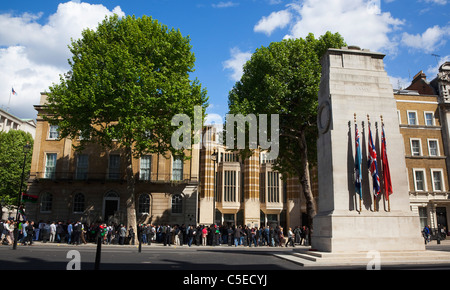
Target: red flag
385,163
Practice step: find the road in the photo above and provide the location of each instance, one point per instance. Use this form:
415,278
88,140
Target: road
156,257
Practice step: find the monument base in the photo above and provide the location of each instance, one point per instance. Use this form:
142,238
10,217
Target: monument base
366,231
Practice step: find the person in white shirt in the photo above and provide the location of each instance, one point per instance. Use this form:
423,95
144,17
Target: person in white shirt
52,232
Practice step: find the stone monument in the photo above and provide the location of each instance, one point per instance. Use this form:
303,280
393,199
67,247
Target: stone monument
355,88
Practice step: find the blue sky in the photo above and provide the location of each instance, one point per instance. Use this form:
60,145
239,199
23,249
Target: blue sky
34,35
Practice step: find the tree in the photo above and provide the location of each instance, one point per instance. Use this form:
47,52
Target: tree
11,163
284,79
128,78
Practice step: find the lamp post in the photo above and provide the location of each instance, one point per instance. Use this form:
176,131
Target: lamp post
214,159
26,149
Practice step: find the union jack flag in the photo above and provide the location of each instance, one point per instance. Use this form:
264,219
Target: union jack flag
372,163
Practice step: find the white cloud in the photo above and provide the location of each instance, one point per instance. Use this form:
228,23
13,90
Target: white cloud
275,20
360,22
225,4
428,41
33,55
236,63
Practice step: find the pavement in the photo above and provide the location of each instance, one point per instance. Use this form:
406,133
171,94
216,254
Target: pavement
435,254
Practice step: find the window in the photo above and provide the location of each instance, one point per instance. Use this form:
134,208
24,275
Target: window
53,132
177,202
429,118
412,118
177,168
415,147
82,166
423,217
50,166
433,149
399,117
229,157
144,203
273,187
229,186
78,203
436,176
145,167
419,179
114,166
46,202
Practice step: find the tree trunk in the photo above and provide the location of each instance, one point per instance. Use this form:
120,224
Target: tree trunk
130,204
305,181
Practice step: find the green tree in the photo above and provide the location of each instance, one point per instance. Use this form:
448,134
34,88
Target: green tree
11,163
284,79
128,78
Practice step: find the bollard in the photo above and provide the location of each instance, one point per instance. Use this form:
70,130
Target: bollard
98,253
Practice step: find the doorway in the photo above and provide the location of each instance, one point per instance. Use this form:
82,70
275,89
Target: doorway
110,205
441,217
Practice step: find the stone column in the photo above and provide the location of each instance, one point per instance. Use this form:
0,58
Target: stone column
354,82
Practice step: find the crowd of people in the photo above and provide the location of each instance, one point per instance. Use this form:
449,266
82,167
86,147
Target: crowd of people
203,235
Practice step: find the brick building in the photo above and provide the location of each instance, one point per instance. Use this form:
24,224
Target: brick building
91,185
426,150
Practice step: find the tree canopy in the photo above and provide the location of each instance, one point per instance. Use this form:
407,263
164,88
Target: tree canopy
128,79
11,162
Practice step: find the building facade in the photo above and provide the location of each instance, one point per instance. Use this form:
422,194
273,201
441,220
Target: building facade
91,185
207,188
420,119
11,122
237,191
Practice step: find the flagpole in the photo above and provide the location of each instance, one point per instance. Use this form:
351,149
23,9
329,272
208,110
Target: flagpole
373,190
360,197
386,194
9,101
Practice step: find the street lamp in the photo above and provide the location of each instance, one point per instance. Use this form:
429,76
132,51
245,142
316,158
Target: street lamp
26,149
214,159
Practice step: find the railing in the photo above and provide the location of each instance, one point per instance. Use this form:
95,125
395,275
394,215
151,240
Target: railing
111,177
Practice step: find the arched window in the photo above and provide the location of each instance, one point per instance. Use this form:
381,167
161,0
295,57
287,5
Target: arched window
78,202
46,202
144,203
177,202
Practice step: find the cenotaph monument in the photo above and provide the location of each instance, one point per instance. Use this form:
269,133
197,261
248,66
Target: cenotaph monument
355,90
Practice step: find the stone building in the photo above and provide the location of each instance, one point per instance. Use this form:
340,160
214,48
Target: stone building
10,122
237,191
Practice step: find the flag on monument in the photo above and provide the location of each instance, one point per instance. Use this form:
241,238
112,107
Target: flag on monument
13,91
372,163
385,165
358,161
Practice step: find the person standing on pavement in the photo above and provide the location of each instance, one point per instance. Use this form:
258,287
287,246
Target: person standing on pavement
290,240
30,231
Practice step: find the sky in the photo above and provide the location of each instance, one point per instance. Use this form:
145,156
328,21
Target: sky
34,37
